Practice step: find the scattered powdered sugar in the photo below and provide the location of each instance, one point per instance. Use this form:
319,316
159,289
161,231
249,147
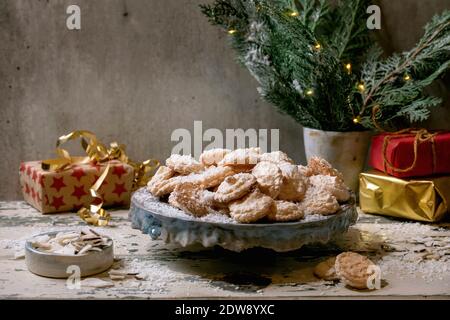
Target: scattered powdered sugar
154,279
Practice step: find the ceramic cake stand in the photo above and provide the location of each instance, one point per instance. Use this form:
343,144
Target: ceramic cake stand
161,220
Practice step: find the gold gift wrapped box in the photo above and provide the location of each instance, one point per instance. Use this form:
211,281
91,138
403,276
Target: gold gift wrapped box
425,200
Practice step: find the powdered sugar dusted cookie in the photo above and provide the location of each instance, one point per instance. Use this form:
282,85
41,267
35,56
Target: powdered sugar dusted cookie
268,177
234,187
321,166
189,198
283,211
276,157
162,174
213,157
326,270
305,171
331,184
294,183
251,208
318,201
241,157
212,176
184,164
353,269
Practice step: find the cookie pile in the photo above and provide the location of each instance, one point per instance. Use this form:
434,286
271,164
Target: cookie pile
249,186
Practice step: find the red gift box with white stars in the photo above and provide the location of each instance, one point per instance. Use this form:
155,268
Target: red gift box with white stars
68,189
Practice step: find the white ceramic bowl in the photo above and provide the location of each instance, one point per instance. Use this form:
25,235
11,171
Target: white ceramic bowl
56,265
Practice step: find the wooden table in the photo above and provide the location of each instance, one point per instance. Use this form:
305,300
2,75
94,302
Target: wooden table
414,260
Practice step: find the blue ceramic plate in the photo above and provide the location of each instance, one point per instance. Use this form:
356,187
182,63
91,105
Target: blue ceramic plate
162,221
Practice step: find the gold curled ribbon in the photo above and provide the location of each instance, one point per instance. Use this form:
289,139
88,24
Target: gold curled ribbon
420,136
96,215
98,153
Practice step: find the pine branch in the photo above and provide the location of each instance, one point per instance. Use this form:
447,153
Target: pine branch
349,35
396,84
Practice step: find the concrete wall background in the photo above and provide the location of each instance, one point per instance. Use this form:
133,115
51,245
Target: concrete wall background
136,71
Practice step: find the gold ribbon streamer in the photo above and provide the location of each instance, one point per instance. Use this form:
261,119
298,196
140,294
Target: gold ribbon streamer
420,136
98,152
96,215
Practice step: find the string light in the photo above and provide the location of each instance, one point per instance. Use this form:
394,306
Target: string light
357,120
310,92
318,46
407,77
232,31
293,13
348,67
361,87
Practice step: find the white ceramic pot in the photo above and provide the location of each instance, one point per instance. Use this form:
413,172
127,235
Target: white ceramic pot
346,151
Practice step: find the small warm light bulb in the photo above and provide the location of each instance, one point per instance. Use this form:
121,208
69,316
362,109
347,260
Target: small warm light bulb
357,120
318,46
361,87
348,66
232,31
293,14
310,92
407,77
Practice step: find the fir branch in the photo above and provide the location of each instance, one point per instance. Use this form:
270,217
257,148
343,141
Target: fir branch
396,83
349,35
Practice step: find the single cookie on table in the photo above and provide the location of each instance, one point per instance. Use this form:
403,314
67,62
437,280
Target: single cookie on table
294,183
325,270
277,157
268,177
234,187
331,184
241,158
213,157
318,166
189,197
318,201
162,174
354,269
251,208
184,164
284,211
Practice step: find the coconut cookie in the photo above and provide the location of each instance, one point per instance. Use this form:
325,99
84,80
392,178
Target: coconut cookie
268,177
213,157
251,208
332,185
160,180
283,211
294,183
321,166
277,157
184,164
353,269
241,158
318,201
234,187
325,270
189,197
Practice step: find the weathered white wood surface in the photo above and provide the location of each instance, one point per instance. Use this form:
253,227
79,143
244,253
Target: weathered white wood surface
414,259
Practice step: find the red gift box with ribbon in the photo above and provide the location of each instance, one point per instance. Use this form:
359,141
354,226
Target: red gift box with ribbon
411,153
68,189
104,177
